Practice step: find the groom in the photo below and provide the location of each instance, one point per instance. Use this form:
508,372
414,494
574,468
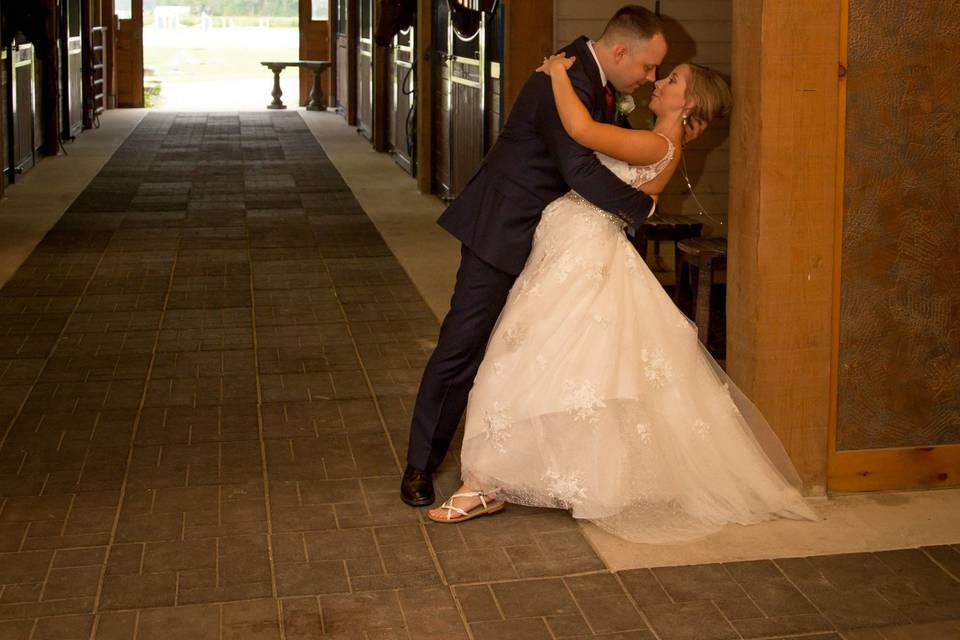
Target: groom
533,162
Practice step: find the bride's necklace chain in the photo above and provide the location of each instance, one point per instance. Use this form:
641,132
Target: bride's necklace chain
701,210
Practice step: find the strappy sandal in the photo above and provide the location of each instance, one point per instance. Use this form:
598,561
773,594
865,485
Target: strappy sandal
483,509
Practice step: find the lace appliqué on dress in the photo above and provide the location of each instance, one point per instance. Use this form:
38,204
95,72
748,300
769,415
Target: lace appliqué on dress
515,336
597,271
700,428
528,289
498,426
643,175
655,367
565,489
564,266
643,430
582,400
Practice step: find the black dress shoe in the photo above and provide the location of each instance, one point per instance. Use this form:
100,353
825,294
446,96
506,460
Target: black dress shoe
416,488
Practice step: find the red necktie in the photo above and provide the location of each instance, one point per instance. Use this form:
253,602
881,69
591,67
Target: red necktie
608,93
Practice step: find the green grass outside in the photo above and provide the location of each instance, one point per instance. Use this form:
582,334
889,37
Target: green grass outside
276,22
195,64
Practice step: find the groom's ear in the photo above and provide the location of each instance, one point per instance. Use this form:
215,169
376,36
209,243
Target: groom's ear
620,52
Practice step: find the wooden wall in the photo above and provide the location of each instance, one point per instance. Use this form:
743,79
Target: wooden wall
573,18
700,31
898,345
697,31
528,37
315,38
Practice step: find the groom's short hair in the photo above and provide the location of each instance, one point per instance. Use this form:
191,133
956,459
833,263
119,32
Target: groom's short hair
633,20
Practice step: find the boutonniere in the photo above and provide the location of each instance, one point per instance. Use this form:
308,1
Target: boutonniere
625,104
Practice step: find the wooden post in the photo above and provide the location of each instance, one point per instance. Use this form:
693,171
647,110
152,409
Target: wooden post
528,38
381,102
3,126
783,168
50,89
353,42
315,37
332,55
423,70
110,48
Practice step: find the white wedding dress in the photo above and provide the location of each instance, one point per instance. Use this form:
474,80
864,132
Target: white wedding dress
595,395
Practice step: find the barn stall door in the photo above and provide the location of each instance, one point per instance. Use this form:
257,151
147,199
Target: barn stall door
72,68
400,131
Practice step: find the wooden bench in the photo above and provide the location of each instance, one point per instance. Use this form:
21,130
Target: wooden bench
707,256
316,93
660,227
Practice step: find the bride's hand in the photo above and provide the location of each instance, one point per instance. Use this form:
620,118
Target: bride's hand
556,63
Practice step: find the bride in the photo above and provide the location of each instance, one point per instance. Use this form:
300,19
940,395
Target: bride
595,394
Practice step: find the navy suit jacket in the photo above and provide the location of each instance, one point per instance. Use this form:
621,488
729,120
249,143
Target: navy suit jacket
534,162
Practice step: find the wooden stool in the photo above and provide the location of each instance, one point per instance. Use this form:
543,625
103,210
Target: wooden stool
707,256
660,227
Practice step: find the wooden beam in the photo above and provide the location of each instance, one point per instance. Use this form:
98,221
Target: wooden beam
353,43
315,38
87,22
424,95
528,38
381,100
895,469
781,273
331,95
50,88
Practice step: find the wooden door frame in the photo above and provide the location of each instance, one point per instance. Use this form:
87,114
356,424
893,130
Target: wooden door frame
332,96
309,31
895,468
136,16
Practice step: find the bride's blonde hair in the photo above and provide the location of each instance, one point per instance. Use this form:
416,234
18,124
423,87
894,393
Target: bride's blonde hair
710,91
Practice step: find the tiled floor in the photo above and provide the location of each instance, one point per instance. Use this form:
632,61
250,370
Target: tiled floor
207,368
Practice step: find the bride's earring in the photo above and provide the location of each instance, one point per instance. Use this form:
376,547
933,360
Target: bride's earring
684,120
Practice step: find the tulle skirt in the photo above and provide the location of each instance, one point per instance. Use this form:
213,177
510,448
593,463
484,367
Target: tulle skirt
595,395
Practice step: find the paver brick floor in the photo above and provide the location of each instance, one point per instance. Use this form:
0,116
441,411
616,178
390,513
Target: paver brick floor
206,373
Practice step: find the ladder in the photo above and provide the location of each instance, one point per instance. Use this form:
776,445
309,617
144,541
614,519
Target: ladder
98,68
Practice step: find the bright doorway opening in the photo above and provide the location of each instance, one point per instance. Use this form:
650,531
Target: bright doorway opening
205,55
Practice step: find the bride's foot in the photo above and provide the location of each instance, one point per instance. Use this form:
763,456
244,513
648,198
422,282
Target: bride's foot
465,504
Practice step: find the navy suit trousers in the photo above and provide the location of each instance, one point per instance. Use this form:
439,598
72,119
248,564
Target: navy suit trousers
478,297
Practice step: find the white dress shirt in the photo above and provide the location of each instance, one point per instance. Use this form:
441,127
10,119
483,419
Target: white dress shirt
603,76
